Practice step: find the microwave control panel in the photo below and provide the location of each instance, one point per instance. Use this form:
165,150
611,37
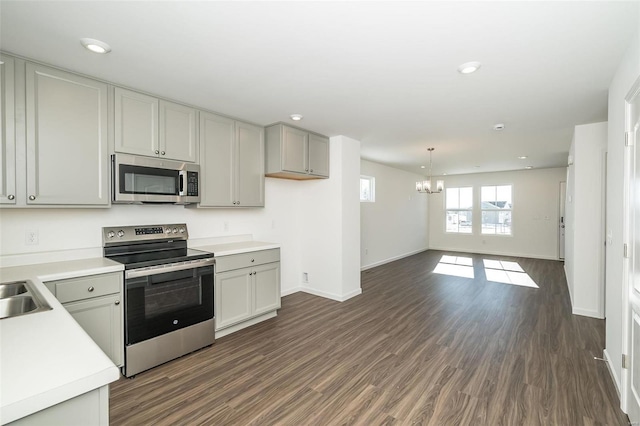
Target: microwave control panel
192,183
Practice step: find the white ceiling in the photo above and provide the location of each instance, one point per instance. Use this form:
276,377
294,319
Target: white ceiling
383,73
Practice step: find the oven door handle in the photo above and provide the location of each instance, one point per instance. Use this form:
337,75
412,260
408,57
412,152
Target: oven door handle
155,270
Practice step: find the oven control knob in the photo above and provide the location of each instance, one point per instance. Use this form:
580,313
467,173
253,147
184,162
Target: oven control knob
182,230
120,233
111,234
167,231
175,230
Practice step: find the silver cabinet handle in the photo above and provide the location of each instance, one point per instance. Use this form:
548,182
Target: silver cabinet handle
234,203
32,197
306,170
11,196
238,202
117,302
253,260
90,289
157,151
162,152
311,170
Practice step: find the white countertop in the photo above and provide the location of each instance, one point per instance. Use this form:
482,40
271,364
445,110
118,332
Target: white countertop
226,249
46,357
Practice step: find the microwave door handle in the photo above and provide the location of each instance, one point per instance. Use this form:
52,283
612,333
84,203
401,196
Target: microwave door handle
182,174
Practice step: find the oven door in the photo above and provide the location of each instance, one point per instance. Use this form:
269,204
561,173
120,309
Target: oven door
162,299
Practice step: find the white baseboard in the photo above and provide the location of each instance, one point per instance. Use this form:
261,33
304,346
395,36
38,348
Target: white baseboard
332,296
495,253
324,294
391,259
612,371
587,313
290,291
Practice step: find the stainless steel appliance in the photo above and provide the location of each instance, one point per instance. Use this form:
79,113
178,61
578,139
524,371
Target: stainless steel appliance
168,294
137,179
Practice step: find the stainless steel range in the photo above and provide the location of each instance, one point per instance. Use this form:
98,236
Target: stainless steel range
168,298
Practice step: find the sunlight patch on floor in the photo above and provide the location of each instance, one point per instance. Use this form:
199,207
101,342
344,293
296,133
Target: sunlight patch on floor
456,266
501,271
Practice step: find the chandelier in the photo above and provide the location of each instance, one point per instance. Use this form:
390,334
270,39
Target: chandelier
425,185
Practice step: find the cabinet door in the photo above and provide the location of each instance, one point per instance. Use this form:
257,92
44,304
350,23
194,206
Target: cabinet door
294,150
233,297
216,161
266,295
177,132
67,152
250,165
7,132
318,155
136,123
101,318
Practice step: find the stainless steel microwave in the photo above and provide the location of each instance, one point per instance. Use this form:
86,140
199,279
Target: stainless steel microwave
137,179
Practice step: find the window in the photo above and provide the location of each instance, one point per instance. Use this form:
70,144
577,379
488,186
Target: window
367,189
459,206
495,203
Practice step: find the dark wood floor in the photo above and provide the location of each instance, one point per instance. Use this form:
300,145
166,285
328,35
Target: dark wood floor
415,348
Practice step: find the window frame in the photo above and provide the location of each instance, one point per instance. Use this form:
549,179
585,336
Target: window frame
469,210
372,185
510,210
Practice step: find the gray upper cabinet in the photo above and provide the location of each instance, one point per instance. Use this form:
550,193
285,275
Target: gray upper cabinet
294,153
7,131
66,139
145,125
232,163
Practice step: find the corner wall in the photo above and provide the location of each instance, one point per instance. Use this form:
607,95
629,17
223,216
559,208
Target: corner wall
584,256
330,226
615,310
396,224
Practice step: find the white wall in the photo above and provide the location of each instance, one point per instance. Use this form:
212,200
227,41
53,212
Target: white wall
627,72
396,224
309,219
330,237
584,257
535,216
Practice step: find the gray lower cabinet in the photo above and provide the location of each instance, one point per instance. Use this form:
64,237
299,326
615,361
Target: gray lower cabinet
91,408
295,153
95,302
231,162
247,286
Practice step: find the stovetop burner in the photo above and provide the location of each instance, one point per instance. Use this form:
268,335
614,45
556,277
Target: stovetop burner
142,246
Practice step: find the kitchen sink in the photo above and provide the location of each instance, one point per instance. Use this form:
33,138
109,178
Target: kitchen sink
12,289
20,298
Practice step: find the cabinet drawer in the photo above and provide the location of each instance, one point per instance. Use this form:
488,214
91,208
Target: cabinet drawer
87,287
245,260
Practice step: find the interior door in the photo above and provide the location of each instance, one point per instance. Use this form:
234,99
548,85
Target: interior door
633,287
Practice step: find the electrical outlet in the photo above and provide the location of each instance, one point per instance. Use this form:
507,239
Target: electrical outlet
366,251
31,237
305,277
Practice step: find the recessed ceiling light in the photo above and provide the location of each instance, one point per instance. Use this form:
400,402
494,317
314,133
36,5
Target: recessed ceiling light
522,157
529,167
444,174
296,117
469,67
498,127
95,46
422,167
